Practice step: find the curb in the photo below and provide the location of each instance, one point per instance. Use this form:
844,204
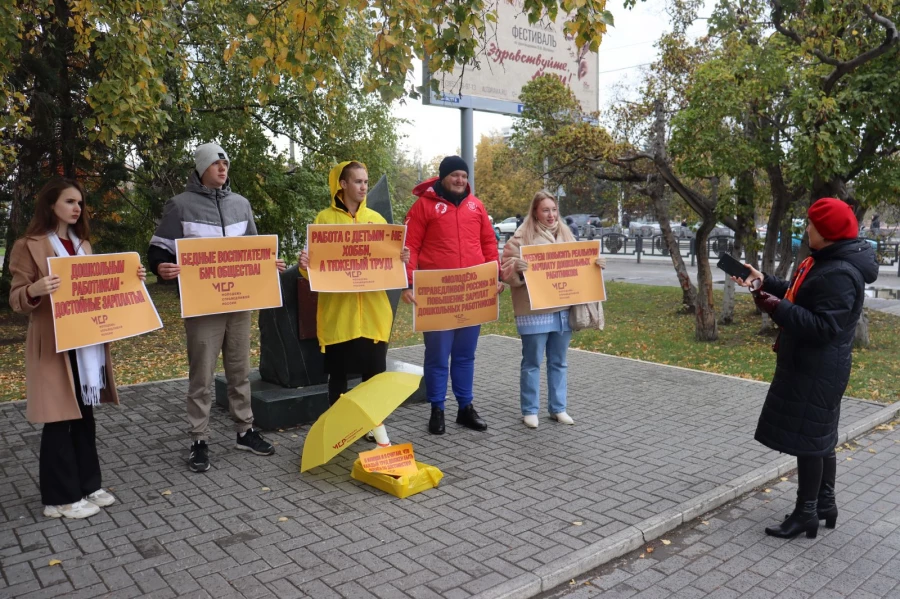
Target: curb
551,575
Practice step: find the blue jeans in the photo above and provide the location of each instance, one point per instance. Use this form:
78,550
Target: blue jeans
457,347
533,347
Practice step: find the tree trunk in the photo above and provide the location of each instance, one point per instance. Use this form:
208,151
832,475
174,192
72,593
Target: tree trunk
784,248
782,199
63,45
705,314
861,337
656,192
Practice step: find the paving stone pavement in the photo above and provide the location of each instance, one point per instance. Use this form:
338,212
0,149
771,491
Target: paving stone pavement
648,438
726,554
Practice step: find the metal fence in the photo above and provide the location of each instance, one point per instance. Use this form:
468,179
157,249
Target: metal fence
887,252
616,243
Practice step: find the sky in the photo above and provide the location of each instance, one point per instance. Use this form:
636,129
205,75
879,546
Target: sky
435,131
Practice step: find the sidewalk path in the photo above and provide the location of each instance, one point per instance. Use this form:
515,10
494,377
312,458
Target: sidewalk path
726,555
518,512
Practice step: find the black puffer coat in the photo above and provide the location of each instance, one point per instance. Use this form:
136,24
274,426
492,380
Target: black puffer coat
803,406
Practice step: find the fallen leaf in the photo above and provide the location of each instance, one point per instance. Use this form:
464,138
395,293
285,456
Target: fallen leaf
884,427
642,556
870,450
281,430
849,459
783,479
767,490
572,582
704,522
293,436
275,443
266,489
665,542
54,562
166,492
283,519
649,549
577,523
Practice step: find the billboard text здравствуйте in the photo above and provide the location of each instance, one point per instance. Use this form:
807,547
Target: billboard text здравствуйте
516,52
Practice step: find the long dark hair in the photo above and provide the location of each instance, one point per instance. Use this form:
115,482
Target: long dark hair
45,221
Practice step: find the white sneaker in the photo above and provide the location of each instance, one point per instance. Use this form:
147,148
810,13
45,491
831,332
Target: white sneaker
79,509
101,498
563,418
531,420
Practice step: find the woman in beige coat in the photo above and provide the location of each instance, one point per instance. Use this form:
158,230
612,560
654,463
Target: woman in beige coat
61,388
542,331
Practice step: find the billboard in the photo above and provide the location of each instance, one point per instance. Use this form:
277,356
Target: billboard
516,52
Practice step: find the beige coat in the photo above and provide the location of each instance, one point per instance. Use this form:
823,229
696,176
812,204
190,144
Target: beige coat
50,387
516,282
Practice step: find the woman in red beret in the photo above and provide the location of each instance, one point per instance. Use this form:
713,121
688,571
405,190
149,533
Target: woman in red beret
817,312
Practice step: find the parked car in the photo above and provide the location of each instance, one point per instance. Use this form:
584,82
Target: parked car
643,228
586,223
505,228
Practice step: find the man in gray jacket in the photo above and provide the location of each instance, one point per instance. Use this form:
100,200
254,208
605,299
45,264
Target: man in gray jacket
208,208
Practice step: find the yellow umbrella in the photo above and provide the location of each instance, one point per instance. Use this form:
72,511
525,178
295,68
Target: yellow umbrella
354,414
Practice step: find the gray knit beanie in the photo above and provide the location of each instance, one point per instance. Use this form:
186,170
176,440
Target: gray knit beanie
206,154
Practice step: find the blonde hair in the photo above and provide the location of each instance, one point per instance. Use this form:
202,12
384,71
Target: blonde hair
532,229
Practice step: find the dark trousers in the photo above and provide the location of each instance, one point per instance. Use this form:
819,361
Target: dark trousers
358,356
813,473
337,384
69,466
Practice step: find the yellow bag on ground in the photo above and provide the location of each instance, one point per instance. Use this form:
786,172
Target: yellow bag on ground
426,478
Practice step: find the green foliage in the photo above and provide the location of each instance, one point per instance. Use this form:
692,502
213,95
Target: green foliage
556,138
505,184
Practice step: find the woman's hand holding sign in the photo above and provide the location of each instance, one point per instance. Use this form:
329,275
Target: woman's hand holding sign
601,262
521,265
43,286
142,273
303,259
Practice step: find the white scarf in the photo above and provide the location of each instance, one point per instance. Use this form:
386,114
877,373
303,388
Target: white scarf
548,233
91,360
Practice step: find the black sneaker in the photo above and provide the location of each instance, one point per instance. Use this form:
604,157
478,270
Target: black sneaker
199,460
253,441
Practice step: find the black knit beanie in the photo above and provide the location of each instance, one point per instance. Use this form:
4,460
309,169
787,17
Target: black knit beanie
451,164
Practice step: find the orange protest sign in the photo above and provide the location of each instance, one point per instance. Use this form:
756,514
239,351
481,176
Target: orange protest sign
228,274
563,274
360,257
100,299
455,298
397,460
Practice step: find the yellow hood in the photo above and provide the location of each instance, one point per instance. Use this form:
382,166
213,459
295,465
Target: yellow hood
334,182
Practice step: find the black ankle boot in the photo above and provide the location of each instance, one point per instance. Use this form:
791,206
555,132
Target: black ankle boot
469,418
436,422
804,519
827,506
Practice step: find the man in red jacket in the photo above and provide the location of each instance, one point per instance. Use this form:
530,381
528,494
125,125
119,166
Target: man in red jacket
448,227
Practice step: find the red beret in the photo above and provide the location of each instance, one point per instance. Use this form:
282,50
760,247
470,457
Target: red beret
833,219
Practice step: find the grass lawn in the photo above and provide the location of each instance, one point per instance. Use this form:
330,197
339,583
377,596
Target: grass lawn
641,322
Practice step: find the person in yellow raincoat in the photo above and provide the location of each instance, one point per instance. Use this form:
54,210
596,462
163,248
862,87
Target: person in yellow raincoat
353,328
